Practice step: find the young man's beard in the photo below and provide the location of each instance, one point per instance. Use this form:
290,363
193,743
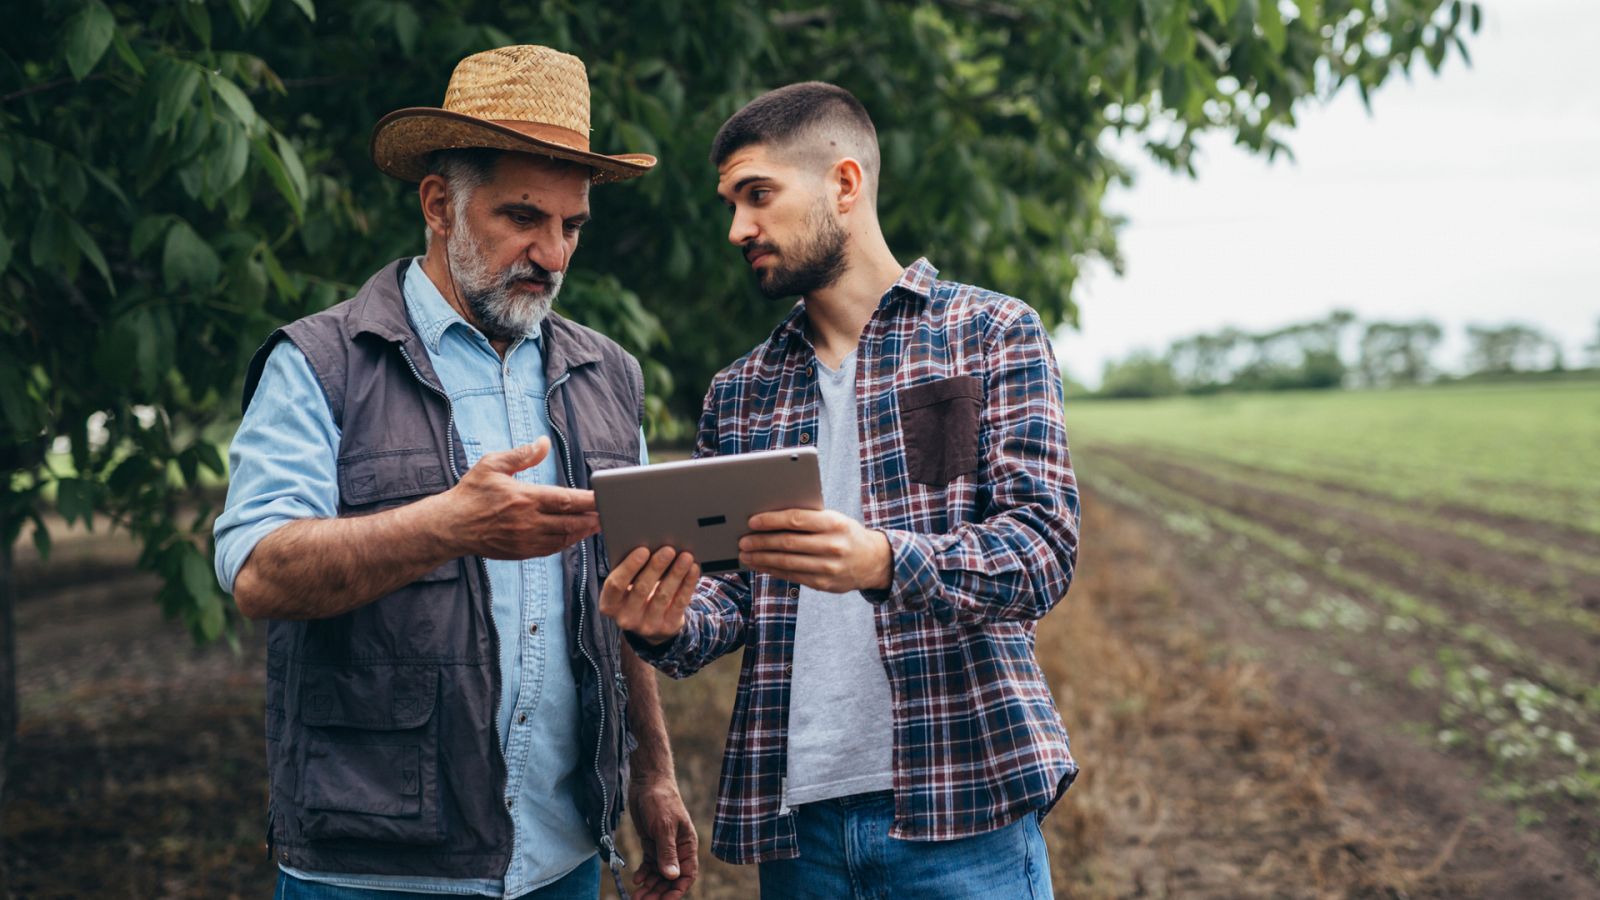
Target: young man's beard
818,262
504,311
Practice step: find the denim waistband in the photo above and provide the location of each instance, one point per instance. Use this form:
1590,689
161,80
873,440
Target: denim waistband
856,801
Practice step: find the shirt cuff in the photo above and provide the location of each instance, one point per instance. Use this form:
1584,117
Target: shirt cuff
667,651
913,577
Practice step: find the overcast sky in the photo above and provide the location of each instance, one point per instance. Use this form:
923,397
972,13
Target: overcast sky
1468,197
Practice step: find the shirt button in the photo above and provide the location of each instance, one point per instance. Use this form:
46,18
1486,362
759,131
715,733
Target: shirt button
805,437
522,718
534,628
811,371
788,670
794,593
508,803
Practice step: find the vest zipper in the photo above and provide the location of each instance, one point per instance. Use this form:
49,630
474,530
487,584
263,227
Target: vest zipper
483,567
613,860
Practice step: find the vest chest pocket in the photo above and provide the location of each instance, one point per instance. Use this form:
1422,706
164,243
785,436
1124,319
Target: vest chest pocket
381,479
375,481
371,763
939,422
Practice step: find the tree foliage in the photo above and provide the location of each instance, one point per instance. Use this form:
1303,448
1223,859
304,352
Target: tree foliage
180,176
1514,347
1143,374
1395,353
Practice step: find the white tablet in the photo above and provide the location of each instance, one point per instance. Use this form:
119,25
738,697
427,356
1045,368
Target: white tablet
701,505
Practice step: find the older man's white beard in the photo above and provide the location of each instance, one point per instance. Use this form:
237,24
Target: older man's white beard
503,310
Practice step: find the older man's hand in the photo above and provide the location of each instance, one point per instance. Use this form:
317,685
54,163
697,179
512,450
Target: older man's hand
671,847
490,513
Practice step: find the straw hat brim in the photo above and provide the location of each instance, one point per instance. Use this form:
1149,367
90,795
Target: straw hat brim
403,139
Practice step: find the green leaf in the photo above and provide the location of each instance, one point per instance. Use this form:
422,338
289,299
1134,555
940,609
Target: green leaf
307,8
198,579
233,98
292,165
279,175
177,89
105,181
75,499
281,281
210,458
88,34
8,169
212,617
147,231
1271,21
91,252
119,43
187,259
407,25
198,19
229,161
5,253
41,540
52,242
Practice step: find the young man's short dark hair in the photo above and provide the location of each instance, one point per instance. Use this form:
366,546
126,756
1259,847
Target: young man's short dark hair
811,117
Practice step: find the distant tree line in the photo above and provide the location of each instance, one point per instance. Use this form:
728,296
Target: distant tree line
1332,352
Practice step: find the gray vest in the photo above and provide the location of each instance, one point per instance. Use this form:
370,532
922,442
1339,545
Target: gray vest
382,744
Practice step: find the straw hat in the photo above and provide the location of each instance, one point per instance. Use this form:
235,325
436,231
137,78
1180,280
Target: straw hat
528,99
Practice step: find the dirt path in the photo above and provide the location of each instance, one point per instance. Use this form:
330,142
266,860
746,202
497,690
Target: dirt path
1218,763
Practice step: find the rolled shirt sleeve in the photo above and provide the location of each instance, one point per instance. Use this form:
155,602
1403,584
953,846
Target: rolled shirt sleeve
282,463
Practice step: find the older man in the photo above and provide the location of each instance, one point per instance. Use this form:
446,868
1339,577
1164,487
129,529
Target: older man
446,714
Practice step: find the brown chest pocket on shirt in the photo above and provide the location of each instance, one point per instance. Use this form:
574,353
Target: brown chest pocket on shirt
939,421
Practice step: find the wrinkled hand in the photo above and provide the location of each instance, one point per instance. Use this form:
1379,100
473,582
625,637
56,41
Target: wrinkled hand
489,513
820,549
671,861
647,592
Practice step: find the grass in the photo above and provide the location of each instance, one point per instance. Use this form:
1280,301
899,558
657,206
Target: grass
1530,451
1456,529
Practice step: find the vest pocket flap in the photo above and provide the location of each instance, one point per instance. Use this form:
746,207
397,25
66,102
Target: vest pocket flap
389,475
377,779
375,698
600,460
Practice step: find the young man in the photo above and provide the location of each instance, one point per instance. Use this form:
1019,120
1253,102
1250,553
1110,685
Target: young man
893,734
446,712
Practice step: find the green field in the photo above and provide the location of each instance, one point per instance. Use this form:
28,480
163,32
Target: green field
1436,552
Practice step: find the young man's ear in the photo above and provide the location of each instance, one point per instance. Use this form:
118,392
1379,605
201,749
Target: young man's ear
849,182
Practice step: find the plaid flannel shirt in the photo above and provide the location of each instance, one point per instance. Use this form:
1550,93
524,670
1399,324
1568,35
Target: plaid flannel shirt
976,562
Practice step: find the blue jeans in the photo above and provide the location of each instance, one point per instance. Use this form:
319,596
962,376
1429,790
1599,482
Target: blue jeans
582,883
846,852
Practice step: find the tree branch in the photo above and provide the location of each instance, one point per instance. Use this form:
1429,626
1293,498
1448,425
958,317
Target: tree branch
48,85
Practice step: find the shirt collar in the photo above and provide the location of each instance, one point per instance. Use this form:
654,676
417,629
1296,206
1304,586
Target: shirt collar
431,314
917,281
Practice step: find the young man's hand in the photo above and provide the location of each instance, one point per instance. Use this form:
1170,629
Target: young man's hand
821,549
647,592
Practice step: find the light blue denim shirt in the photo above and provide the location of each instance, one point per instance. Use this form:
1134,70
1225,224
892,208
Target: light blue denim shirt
282,469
